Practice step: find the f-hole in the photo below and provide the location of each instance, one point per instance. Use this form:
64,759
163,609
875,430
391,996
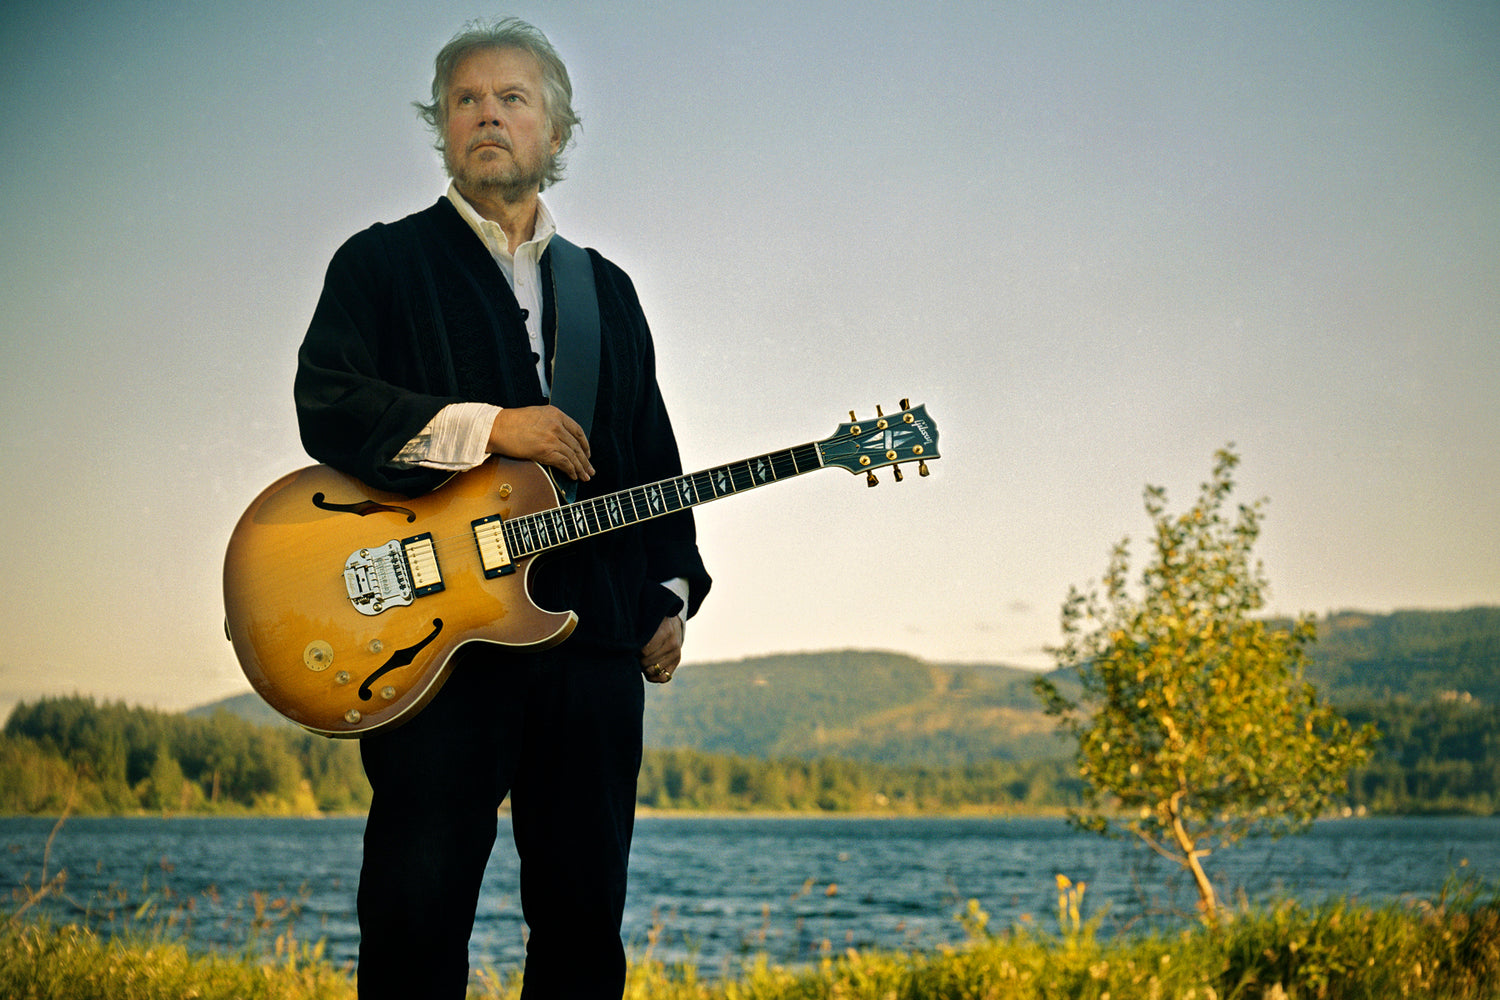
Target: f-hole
362,508
400,658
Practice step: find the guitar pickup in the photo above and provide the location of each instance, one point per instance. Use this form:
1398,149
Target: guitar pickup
421,561
494,553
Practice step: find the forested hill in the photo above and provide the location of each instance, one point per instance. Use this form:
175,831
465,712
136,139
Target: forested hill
892,708
883,707
1414,656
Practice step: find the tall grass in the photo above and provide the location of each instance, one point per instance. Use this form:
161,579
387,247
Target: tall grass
1447,948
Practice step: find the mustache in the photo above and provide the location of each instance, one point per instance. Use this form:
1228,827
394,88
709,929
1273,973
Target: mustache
483,138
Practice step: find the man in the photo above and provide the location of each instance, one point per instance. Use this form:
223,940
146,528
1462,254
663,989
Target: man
430,348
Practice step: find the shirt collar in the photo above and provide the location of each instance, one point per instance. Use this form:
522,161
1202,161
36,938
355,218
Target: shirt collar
491,233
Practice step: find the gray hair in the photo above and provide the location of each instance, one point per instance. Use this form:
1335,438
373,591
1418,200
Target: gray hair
508,33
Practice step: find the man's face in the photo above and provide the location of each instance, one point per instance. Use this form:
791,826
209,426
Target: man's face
499,144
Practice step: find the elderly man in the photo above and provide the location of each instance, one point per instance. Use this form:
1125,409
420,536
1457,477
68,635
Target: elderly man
431,348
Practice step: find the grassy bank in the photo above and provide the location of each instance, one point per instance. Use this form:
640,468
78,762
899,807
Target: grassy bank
1446,949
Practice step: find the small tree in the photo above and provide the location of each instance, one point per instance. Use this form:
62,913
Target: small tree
1195,727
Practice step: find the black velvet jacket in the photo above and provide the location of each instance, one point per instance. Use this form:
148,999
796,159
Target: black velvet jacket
415,315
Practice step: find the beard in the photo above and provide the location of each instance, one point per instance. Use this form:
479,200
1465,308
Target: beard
508,176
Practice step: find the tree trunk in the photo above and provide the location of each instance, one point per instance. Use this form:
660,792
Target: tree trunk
1208,900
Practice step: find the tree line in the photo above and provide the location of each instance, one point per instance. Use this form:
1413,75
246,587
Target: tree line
1440,756
112,758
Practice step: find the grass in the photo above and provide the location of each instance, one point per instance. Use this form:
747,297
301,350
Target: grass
1443,949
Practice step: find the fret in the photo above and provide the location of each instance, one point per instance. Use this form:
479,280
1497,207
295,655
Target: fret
628,506
596,516
672,492
763,470
656,501
580,515
612,512
527,534
558,524
635,507
744,479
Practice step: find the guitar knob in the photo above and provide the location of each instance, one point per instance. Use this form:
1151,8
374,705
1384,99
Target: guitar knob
922,468
897,470
870,479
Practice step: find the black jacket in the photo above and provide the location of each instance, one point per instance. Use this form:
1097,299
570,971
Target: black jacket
415,315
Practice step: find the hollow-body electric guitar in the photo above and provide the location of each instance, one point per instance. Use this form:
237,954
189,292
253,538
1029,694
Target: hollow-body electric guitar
346,604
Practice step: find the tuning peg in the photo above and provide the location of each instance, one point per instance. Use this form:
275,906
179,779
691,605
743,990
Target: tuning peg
906,404
851,416
922,469
870,479
878,411
897,470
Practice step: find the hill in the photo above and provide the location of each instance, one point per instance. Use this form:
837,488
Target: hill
890,708
1414,656
873,706
249,706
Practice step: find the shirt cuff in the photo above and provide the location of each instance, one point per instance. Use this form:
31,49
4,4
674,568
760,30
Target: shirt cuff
455,440
679,586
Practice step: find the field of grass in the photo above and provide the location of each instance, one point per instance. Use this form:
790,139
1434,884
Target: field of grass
1444,949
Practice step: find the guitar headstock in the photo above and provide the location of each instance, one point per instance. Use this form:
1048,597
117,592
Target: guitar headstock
867,445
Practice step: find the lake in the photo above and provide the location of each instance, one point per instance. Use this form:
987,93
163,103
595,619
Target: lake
718,889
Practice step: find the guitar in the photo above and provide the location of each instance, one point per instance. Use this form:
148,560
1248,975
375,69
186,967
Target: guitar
346,604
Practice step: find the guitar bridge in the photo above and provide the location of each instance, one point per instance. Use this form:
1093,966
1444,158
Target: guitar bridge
392,575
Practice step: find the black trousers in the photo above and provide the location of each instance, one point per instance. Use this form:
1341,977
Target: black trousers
560,731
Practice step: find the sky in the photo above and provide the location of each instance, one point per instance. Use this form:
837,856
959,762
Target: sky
1099,241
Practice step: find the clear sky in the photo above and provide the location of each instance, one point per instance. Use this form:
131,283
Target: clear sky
1099,240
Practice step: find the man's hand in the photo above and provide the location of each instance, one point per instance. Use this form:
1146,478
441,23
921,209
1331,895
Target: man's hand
661,656
542,434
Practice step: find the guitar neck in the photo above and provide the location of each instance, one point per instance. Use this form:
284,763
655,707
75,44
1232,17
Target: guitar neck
531,534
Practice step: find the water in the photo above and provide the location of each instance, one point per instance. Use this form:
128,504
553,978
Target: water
714,889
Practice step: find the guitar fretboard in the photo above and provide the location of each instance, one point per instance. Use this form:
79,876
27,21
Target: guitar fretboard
530,534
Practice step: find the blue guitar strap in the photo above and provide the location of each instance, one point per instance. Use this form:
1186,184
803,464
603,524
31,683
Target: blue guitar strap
575,359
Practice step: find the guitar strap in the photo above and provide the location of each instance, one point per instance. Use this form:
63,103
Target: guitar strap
575,359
